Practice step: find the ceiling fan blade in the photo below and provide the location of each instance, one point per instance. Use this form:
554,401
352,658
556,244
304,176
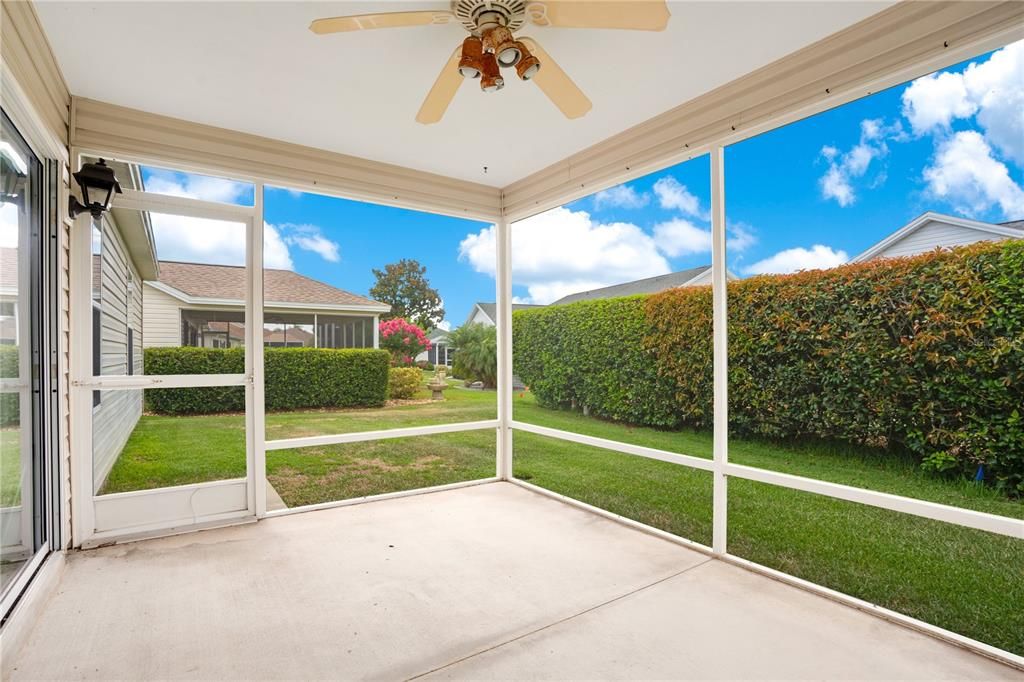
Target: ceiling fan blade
557,85
365,22
634,15
442,92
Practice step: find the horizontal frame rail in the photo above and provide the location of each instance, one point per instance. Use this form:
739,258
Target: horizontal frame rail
131,199
618,446
360,436
992,523
162,381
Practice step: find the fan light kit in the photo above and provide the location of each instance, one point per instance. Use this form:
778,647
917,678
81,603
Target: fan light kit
492,44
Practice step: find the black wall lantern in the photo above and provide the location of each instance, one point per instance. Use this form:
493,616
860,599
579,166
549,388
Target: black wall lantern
98,184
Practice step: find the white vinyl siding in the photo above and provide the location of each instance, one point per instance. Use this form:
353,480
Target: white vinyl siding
120,305
162,318
935,234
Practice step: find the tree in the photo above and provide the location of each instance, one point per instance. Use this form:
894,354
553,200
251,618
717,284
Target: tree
476,353
403,340
404,286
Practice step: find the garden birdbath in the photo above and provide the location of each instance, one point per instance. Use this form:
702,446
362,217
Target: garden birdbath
437,386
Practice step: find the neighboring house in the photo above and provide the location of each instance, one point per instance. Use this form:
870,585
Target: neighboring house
193,304
122,257
9,325
441,352
487,313
933,230
650,285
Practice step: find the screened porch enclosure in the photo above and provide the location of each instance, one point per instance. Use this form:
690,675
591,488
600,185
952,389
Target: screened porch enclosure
279,458
226,329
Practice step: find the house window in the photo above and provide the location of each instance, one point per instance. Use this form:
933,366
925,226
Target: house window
131,351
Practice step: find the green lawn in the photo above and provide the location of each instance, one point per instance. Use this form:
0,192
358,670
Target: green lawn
10,467
965,580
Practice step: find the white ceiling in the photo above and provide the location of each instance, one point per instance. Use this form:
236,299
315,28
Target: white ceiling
256,67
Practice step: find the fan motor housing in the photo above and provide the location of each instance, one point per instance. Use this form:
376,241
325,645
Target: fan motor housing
476,15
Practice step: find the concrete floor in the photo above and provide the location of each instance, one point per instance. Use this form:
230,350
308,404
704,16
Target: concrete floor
491,581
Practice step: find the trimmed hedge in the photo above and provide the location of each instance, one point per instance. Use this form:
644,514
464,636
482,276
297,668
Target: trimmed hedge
295,378
922,354
10,403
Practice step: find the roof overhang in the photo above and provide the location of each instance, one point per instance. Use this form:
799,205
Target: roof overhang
284,305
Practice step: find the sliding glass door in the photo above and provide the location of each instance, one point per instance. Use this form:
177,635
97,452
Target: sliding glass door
26,366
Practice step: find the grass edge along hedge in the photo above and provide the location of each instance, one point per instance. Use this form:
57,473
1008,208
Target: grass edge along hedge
295,378
922,354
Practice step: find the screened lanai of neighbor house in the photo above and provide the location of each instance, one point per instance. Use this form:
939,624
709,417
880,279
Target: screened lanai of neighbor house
492,339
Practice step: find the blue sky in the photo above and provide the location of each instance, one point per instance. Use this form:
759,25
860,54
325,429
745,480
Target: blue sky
811,194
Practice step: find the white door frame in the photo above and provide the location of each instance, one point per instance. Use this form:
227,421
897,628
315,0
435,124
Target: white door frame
99,519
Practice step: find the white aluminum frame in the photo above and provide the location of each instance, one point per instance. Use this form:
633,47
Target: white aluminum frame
85,531
719,466
99,518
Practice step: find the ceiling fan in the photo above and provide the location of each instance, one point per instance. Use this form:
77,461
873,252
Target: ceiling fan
492,46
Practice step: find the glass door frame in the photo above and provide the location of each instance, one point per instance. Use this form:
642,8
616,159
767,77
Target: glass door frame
102,518
38,331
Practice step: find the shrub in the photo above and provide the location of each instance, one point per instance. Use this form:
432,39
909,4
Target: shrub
476,356
294,378
924,354
10,403
403,340
403,382
423,364
590,355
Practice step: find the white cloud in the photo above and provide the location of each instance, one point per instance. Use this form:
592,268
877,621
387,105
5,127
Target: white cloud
198,240
799,258
673,195
621,196
445,325
680,237
965,174
992,90
739,237
844,168
561,252
933,101
196,186
310,238
275,251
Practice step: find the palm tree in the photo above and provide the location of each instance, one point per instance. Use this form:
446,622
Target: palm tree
476,353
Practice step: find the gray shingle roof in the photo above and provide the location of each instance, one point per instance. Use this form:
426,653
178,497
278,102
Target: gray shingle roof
279,286
1015,224
651,285
491,309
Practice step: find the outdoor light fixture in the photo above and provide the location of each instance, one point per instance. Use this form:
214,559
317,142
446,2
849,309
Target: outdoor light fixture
13,175
98,184
528,65
499,42
470,64
491,80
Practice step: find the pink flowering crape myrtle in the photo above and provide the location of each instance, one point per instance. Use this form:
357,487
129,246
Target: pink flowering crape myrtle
404,340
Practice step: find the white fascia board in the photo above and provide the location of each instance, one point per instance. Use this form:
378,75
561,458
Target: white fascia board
931,216
236,303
